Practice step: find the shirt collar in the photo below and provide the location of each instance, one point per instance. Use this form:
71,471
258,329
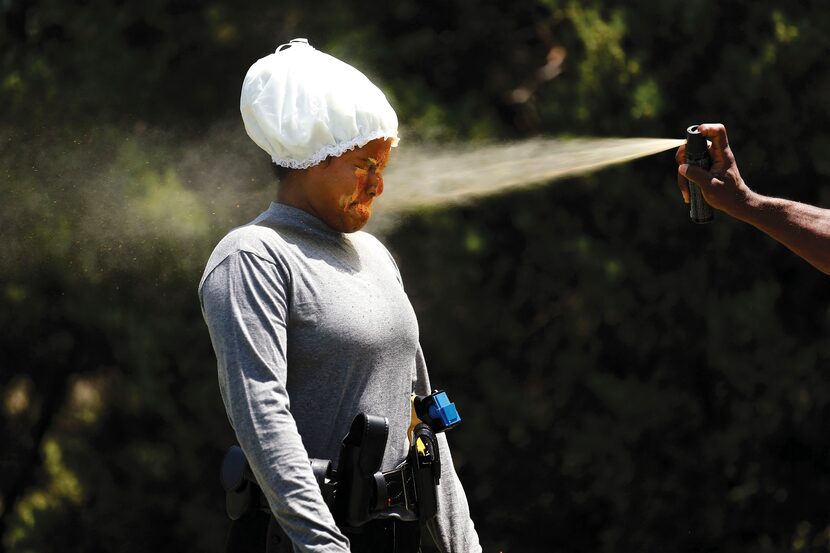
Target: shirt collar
294,217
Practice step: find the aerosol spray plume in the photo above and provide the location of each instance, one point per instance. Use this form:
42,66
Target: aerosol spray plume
117,194
423,176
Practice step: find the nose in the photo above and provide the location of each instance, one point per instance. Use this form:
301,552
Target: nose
374,184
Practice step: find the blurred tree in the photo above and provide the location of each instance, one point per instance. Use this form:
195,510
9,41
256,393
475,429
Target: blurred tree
629,381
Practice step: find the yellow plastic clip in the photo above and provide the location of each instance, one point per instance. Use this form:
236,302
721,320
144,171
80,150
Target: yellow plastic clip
413,418
421,447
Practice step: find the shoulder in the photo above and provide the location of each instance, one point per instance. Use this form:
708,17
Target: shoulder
252,238
368,244
250,241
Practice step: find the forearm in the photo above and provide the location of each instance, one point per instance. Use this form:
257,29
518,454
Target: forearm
804,229
268,435
452,529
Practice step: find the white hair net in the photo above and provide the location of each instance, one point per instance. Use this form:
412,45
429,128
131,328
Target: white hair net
301,106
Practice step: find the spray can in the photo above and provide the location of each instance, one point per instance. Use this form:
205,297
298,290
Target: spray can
697,153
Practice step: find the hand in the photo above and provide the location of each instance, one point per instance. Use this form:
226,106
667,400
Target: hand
722,186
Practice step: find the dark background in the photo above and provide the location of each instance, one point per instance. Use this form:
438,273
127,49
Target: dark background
629,381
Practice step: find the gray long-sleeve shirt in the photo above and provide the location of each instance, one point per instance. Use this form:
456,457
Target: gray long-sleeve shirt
310,327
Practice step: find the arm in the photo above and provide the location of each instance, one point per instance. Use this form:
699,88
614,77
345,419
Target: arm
803,228
245,306
452,529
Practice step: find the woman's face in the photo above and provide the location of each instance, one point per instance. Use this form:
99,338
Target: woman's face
340,191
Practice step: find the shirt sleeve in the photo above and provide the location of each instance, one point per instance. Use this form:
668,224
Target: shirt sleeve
452,529
245,305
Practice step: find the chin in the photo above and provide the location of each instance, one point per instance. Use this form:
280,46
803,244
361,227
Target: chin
354,226
356,219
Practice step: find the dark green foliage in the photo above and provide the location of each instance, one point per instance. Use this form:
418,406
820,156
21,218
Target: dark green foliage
628,381
649,398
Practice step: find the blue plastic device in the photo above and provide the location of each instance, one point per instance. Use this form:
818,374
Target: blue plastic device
437,411
442,408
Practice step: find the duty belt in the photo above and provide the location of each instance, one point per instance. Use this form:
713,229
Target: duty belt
357,491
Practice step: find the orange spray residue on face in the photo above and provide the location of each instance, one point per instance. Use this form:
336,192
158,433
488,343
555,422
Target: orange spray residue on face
360,201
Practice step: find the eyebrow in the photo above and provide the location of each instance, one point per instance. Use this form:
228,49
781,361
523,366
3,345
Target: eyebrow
369,161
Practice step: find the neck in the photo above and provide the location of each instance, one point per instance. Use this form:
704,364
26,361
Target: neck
291,192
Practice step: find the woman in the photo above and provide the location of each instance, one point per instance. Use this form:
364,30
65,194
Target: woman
308,316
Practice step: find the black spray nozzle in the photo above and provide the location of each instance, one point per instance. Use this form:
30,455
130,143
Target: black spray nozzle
695,142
